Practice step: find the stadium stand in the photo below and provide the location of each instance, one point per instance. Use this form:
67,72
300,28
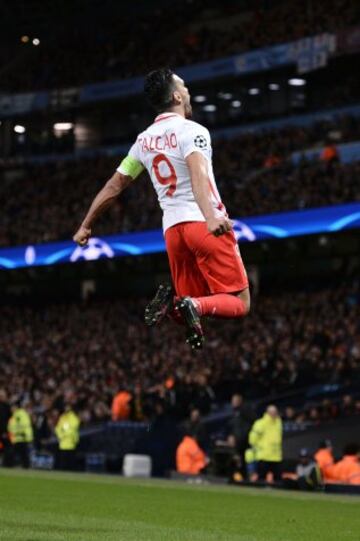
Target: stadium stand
253,171
59,192
107,51
86,354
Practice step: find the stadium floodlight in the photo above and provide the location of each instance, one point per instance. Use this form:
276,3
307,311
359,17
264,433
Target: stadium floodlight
19,129
200,99
36,41
225,95
274,86
295,81
254,91
209,108
63,126
236,103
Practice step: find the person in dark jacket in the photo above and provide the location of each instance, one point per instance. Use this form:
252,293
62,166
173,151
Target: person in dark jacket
196,428
5,414
241,421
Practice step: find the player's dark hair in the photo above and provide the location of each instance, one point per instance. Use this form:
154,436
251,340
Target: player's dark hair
159,87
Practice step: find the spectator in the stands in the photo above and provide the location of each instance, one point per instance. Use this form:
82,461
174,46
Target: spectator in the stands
347,406
272,160
314,415
357,407
289,414
329,410
329,153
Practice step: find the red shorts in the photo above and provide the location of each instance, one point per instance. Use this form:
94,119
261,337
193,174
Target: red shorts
202,264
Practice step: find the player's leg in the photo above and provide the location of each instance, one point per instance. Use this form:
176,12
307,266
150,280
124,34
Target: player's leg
187,279
186,275
221,265
163,302
224,305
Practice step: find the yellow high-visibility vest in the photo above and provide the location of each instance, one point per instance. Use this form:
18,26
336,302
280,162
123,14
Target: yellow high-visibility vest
266,438
67,431
20,427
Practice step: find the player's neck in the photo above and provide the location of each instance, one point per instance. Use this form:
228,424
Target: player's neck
178,110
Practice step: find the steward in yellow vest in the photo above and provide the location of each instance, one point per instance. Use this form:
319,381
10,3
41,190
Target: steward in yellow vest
67,433
20,434
265,439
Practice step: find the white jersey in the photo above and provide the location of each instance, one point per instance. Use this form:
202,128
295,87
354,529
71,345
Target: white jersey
162,149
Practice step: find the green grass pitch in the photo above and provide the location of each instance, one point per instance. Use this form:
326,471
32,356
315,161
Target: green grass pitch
46,506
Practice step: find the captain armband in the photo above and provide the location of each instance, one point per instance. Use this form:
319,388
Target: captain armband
131,167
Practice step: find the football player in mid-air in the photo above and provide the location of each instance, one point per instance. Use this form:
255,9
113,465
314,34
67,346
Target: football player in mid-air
207,271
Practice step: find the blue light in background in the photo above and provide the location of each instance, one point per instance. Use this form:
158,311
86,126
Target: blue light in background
252,229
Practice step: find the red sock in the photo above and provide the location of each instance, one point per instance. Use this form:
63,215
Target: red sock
220,305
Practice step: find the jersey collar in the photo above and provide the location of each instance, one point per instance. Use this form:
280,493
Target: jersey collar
165,116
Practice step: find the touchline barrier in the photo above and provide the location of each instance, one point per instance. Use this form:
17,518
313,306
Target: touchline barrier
251,229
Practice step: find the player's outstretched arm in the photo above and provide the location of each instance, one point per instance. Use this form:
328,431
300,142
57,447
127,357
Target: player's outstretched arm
217,225
104,199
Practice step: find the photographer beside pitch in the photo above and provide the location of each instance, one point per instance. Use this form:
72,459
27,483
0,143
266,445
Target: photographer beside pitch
206,267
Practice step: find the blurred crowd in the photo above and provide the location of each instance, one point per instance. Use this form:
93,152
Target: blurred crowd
315,413
253,171
85,355
96,50
252,151
293,188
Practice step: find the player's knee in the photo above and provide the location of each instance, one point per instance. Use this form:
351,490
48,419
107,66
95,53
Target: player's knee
245,297
247,306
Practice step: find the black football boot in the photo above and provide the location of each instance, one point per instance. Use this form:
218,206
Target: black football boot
160,306
194,332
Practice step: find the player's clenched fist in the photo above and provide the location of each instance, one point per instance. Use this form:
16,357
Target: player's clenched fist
219,225
82,236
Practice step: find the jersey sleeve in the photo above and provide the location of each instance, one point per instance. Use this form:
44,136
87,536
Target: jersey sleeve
131,165
196,138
